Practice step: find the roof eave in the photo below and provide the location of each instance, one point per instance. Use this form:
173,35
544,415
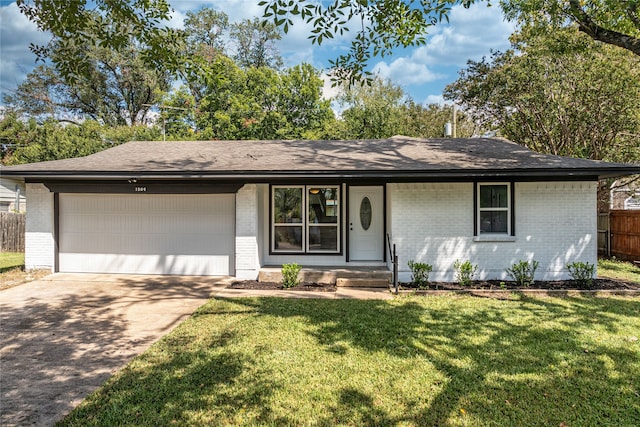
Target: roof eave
601,173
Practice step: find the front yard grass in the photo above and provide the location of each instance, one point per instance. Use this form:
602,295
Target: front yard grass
10,260
618,269
441,361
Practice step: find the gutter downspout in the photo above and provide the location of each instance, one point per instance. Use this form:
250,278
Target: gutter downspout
16,207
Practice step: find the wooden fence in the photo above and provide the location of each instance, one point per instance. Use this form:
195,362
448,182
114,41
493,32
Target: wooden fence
11,232
619,234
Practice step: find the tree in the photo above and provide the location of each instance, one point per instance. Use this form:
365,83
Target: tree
382,109
205,32
300,101
557,92
429,121
373,110
48,141
29,141
255,44
262,103
209,35
116,88
612,22
384,25
178,114
111,24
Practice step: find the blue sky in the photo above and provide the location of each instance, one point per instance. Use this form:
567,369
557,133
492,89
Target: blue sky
423,72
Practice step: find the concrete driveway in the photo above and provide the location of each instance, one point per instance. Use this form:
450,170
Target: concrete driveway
62,336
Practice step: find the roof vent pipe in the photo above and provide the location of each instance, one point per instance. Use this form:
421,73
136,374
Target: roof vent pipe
448,130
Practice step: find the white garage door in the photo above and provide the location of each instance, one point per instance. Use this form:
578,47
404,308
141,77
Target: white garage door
147,234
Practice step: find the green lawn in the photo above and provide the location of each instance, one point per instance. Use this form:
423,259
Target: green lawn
9,260
618,269
441,361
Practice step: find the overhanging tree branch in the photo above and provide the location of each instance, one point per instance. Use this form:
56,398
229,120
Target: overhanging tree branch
597,32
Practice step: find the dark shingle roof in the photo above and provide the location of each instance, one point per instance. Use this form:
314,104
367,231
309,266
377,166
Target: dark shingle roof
396,156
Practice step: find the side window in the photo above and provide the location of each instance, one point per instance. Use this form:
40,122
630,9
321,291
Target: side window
494,209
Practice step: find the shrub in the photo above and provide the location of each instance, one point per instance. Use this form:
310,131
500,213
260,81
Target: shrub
420,273
523,272
290,275
465,272
582,273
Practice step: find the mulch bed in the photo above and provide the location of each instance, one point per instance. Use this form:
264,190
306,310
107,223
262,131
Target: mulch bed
303,286
558,285
494,285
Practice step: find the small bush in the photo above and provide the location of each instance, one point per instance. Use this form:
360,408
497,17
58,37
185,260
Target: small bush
290,275
582,273
523,272
465,272
420,273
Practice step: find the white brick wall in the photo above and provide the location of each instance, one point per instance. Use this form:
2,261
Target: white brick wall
433,223
39,228
247,221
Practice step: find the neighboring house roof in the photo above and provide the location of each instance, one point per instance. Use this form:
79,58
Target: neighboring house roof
625,193
9,190
396,157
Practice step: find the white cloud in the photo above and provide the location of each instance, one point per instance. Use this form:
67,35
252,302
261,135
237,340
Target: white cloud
404,71
236,9
328,92
16,33
471,34
436,99
176,20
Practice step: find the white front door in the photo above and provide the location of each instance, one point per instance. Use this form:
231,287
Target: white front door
366,223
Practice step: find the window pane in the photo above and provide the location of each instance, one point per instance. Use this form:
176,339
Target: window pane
493,196
323,205
493,222
365,213
287,205
323,238
287,237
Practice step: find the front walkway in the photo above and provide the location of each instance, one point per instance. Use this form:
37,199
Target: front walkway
340,293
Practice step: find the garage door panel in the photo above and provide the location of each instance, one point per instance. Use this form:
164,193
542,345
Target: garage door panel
147,234
146,264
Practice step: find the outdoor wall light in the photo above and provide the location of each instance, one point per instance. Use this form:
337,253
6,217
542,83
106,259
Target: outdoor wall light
133,180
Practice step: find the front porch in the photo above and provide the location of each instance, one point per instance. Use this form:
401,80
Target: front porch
361,276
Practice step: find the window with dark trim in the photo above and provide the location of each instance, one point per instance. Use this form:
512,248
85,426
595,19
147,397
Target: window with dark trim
305,219
494,209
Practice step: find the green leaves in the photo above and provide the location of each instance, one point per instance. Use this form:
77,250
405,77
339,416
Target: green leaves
385,25
262,103
110,24
613,22
30,142
557,92
523,272
381,26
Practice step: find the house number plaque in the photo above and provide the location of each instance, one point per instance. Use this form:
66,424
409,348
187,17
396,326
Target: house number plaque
140,189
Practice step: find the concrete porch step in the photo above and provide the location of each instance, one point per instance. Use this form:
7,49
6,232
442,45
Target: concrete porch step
362,283
367,277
